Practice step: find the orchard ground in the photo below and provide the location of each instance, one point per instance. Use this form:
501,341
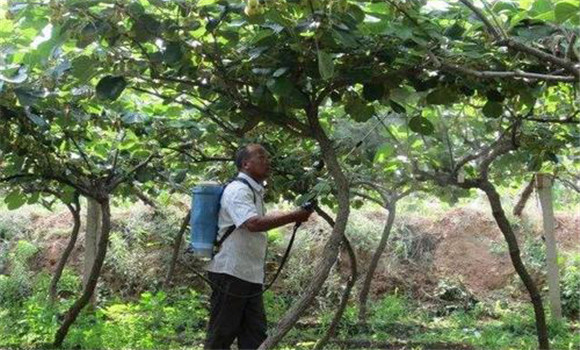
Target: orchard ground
445,280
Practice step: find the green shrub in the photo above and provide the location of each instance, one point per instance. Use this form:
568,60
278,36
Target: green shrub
364,233
392,308
275,305
570,286
18,284
155,321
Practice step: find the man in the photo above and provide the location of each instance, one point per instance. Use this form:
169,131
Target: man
238,268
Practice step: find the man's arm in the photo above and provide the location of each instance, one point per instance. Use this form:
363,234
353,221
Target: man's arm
270,221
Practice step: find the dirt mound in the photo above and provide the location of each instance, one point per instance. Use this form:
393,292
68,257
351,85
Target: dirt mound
57,221
465,250
469,248
566,230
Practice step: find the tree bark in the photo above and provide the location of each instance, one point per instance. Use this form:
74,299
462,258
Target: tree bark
330,252
91,284
92,234
544,185
75,211
527,192
330,332
364,293
508,233
176,246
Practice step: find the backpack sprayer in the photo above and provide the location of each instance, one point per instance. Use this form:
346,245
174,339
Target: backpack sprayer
205,208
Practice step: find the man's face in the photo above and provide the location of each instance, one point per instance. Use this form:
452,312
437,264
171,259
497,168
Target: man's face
258,164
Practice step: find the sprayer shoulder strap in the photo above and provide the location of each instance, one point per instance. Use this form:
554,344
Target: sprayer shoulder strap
233,227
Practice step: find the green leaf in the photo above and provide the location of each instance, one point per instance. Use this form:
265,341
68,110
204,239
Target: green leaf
492,109
535,164
441,96
527,98
39,121
111,87
540,7
397,108
495,96
565,10
421,125
279,72
203,3
173,53
83,68
132,118
15,200
345,39
135,9
378,8
212,24
280,86
384,152
33,198
288,93
356,13
373,92
261,36
26,97
325,65
145,28
454,32
359,110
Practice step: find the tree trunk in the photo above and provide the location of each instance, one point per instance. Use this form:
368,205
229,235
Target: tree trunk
176,246
330,252
544,185
508,233
93,229
527,192
75,211
89,288
346,293
364,293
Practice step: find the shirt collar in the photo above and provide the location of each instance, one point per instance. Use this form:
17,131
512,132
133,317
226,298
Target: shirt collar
256,186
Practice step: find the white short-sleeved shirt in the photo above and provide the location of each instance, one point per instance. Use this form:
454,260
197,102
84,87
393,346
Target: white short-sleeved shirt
243,253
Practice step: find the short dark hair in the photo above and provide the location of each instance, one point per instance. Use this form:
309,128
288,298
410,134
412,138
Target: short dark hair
245,152
242,155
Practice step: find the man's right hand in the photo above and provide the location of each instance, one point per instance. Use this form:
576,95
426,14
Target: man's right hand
270,221
302,215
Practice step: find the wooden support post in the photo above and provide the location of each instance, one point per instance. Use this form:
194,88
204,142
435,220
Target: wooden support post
92,236
544,186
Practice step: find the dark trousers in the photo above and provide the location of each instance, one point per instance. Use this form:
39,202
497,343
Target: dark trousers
233,317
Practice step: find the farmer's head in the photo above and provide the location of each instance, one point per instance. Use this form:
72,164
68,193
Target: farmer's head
254,160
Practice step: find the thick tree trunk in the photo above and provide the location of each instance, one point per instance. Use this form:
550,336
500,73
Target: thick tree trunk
89,288
176,246
544,185
92,234
347,290
330,252
75,211
527,192
506,229
366,287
